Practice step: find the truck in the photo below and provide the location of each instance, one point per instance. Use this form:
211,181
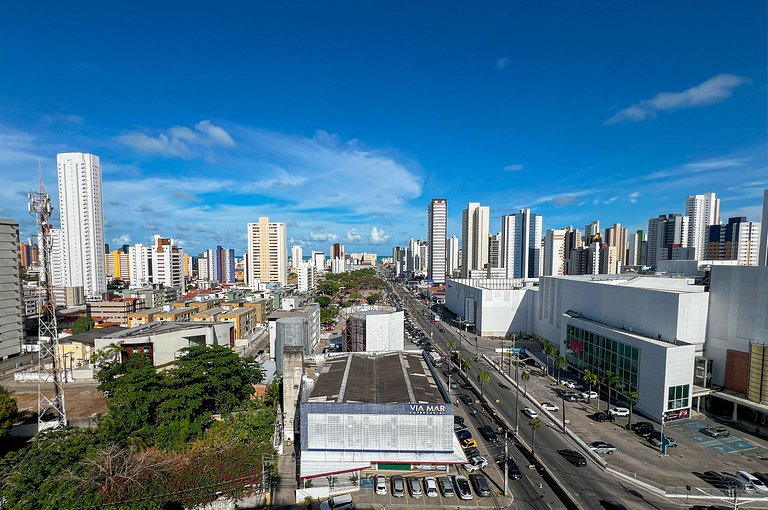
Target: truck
435,358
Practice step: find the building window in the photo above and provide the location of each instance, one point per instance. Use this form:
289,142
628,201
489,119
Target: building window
586,350
677,397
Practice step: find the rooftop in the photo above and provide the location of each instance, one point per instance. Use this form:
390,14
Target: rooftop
156,328
391,377
649,282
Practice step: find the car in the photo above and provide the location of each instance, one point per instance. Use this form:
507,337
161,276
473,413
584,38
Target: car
550,407
414,487
612,505
655,439
461,435
716,432
730,481
454,385
572,396
471,452
488,433
573,457
753,480
430,487
530,413
476,463
589,394
398,486
442,330
602,447
467,399
513,470
381,484
469,443
481,485
459,426
619,411
340,502
462,487
458,419
643,428
568,383
446,486
603,416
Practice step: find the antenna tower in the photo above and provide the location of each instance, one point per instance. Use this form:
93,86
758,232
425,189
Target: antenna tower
51,413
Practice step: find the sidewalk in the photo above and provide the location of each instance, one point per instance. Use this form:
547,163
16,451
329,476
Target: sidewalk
285,489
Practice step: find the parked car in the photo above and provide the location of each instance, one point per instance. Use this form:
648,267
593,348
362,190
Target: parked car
643,428
341,502
488,433
602,447
475,463
446,486
462,487
461,435
572,396
573,457
430,487
603,416
550,407
752,480
568,383
414,487
589,394
471,452
467,399
716,432
481,485
619,411
459,426
513,470
398,486
458,419
381,484
655,439
469,443
733,480
530,413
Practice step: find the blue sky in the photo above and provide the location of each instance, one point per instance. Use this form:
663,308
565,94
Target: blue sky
343,119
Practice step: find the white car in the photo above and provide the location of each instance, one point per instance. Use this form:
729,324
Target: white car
568,383
619,411
750,479
589,394
530,413
430,487
476,463
550,407
381,484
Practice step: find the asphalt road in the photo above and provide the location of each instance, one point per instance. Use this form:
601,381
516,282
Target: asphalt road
587,484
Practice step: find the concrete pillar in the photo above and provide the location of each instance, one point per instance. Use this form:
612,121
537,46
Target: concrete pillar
735,410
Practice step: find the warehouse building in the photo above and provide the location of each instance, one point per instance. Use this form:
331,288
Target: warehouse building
375,411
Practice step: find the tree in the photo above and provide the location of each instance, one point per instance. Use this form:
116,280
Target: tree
355,296
82,324
611,380
110,353
329,288
467,364
323,301
535,425
632,397
549,350
591,379
525,376
8,410
560,363
327,314
484,377
374,298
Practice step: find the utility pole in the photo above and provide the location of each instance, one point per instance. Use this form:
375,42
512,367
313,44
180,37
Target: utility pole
51,411
517,396
506,464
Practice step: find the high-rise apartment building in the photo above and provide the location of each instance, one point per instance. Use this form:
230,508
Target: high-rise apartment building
635,249
762,254
82,222
267,253
317,259
167,262
702,211
297,256
554,253
118,265
11,330
616,236
452,255
337,251
437,220
306,276
475,228
610,262
494,250
737,240
592,233
521,244
666,233
140,257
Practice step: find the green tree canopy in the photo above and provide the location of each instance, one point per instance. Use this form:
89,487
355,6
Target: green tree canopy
8,410
323,301
82,324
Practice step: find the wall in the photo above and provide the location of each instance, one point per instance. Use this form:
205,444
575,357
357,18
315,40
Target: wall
384,332
499,312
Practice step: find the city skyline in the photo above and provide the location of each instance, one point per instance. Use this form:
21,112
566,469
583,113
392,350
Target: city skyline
351,146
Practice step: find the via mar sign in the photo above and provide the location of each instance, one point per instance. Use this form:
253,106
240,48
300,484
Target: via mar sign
427,408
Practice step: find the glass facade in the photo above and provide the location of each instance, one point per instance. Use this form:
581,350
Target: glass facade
589,351
677,397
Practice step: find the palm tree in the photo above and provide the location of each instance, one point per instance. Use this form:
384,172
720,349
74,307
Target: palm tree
468,364
109,353
484,377
535,424
611,380
550,351
526,375
632,397
560,363
590,378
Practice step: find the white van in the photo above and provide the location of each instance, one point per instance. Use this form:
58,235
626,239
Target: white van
340,502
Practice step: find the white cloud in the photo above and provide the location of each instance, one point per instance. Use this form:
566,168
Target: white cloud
513,168
377,236
711,91
633,197
179,141
323,236
716,164
353,236
123,239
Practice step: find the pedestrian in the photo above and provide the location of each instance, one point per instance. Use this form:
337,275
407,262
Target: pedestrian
293,456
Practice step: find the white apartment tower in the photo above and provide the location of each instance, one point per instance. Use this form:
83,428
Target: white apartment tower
82,222
521,244
11,325
616,236
665,233
475,228
167,262
452,254
306,276
554,253
762,254
140,257
702,211
267,253
296,256
437,221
